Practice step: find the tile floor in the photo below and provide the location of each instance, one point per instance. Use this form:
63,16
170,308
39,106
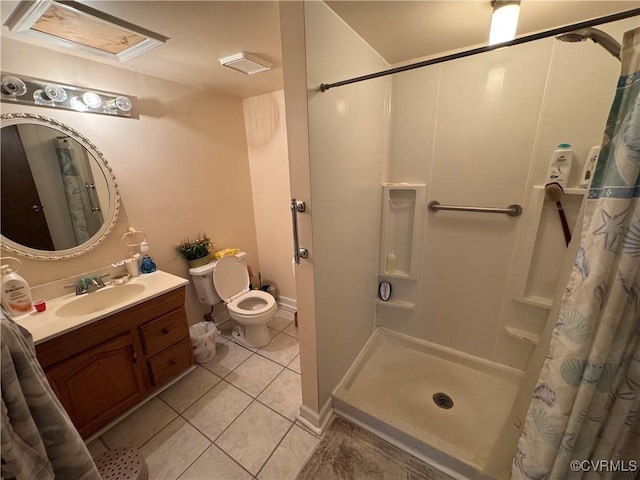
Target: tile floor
231,418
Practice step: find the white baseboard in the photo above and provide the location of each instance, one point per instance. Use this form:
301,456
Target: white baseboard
316,422
287,303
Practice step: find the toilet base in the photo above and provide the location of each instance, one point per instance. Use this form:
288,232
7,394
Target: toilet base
254,336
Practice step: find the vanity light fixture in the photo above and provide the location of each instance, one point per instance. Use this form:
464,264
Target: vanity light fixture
504,20
74,24
119,103
245,63
13,86
91,99
25,90
55,93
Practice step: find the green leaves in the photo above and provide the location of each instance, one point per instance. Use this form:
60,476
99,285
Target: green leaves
194,249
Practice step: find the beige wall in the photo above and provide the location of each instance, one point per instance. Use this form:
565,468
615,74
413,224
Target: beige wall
265,125
182,167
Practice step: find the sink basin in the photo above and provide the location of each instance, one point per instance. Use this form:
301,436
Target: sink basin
100,299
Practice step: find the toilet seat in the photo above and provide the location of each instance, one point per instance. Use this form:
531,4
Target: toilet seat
231,281
265,303
230,278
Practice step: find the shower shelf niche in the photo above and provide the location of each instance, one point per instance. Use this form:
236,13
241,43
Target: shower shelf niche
400,304
541,248
525,336
403,207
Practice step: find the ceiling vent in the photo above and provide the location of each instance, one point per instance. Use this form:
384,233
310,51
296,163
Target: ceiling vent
245,63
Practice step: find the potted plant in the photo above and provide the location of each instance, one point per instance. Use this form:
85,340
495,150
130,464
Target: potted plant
196,251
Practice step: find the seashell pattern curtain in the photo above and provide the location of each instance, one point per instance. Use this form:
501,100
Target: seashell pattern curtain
584,418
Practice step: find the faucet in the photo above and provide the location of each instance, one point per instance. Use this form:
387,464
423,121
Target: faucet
88,284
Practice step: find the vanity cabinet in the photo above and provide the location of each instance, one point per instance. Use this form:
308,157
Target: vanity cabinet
101,370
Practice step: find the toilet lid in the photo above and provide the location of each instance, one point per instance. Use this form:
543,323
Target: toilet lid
230,277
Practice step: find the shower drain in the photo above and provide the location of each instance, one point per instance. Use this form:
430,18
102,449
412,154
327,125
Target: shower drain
442,400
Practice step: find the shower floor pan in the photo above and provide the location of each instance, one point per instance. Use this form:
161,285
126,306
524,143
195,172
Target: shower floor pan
390,390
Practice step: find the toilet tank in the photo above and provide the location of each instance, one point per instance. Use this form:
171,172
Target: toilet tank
202,278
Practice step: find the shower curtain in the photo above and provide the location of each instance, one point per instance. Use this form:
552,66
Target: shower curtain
73,186
584,419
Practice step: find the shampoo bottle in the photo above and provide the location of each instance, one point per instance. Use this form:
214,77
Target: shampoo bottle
147,265
589,167
560,166
16,294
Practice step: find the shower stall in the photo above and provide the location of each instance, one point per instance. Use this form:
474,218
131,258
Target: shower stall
446,366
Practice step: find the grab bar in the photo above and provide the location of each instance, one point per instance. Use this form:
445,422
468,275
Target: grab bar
512,210
298,252
91,192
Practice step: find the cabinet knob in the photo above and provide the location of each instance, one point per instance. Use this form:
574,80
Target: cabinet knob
173,361
165,330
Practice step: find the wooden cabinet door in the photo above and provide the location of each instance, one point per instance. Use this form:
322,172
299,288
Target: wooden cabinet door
98,384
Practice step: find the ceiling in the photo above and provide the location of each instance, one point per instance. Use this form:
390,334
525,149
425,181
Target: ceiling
200,32
405,30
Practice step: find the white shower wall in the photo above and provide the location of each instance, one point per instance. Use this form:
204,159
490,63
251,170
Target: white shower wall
480,131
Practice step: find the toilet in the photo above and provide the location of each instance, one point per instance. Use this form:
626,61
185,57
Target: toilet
227,280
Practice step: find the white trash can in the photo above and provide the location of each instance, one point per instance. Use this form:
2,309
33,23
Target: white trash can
203,341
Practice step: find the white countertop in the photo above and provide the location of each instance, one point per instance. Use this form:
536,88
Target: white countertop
47,325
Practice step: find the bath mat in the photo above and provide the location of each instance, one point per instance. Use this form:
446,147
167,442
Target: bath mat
348,452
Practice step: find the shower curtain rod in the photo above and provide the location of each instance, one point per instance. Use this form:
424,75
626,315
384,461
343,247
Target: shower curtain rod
474,51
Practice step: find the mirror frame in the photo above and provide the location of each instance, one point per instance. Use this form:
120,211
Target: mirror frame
111,213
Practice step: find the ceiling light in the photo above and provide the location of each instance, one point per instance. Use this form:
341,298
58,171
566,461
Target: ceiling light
74,24
245,63
504,20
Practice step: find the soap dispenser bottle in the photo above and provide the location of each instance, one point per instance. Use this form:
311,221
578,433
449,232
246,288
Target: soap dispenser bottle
16,294
147,265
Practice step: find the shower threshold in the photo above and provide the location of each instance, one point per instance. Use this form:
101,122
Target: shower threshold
442,406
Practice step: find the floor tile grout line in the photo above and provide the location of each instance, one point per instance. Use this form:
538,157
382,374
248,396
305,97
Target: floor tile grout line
197,458
292,370
274,451
212,444
234,368
257,352
197,398
148,439
159,431
256,399
274,410
260,393
274,379
227,427
262,355
234,419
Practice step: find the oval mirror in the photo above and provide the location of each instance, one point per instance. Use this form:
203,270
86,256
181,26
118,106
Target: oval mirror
59,195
